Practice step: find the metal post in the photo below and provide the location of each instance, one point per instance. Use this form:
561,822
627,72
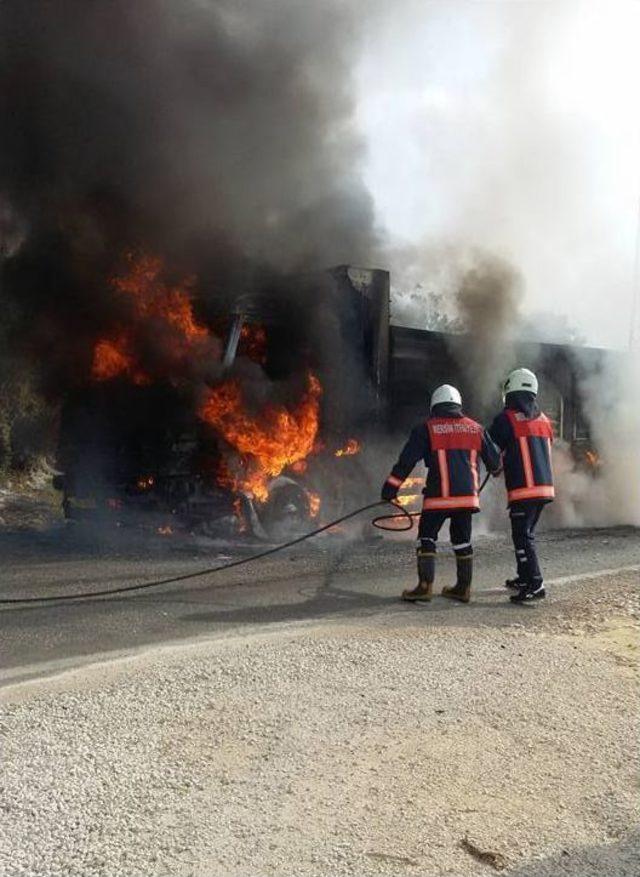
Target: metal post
233,339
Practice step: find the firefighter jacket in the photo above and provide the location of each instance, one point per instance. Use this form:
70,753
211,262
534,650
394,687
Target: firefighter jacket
525,435
450,445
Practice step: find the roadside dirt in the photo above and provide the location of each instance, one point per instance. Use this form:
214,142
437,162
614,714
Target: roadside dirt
492,740
29,502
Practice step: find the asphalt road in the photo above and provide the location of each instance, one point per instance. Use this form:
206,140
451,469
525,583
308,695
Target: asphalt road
332,577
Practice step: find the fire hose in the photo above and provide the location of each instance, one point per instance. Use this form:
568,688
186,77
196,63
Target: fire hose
156,583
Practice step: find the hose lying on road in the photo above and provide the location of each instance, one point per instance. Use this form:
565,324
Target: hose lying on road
88,595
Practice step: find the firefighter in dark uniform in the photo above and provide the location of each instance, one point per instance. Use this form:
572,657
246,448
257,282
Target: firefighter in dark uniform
525,435
450,445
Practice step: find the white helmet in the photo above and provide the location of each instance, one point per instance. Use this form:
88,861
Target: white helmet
521,379
446,393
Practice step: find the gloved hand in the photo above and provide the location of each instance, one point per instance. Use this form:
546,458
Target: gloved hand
388,491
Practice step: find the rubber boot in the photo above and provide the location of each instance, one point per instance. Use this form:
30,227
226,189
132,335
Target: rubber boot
426,574
461,591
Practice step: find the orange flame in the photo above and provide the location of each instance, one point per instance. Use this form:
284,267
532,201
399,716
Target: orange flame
314,503
407,499
253,343
112,358
352,447
240,516
593,459
267,444
171,306
278,438
153,298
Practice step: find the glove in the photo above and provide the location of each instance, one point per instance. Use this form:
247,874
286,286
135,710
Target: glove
388,491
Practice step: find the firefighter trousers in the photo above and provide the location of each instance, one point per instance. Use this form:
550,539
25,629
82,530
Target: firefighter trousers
524,518
459,530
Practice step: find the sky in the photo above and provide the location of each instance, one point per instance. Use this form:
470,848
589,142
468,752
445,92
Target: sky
512,127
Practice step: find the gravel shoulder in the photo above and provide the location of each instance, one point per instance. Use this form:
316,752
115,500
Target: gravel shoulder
419,740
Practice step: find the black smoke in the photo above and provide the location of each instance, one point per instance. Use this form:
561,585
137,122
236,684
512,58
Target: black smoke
216,133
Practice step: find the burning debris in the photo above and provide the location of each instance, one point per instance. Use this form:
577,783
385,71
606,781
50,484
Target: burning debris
407,499
592,460
314,503
352,447
414,481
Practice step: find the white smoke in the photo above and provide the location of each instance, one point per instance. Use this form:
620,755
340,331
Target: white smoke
612,400
510,128
608,492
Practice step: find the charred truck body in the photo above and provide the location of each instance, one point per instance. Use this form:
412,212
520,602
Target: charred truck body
298,377
257,399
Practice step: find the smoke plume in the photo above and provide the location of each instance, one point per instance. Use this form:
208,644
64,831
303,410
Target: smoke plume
510,127
214,133
487,302
611,397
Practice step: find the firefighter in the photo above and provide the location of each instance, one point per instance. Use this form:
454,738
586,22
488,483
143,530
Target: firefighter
525,435
450,444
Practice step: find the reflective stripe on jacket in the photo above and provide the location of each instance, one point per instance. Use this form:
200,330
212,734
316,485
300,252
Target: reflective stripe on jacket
455,445
527,460
452,479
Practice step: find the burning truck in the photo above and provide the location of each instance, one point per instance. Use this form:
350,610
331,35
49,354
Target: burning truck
245,412
230,418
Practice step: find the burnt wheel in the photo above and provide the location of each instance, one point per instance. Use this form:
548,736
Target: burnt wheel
287,512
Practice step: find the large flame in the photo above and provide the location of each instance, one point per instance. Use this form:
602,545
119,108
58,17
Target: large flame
268,444
153,298
170,307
